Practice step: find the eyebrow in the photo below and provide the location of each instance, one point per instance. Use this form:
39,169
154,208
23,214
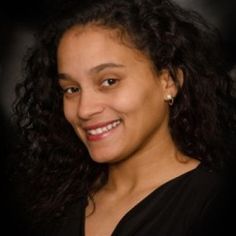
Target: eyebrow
104,66
94,70
62,76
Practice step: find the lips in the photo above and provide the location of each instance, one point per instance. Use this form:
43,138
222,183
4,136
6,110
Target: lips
96,132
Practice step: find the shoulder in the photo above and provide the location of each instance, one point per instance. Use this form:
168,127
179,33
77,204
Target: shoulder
71,223
215,191
209,180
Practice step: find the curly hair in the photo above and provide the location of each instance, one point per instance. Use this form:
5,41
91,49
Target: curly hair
54,163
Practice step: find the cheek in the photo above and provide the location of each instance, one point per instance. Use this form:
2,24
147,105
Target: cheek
69,112
139,100
123,103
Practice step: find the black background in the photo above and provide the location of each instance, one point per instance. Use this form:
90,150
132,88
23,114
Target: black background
18,21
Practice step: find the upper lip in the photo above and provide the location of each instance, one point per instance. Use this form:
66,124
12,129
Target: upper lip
99,125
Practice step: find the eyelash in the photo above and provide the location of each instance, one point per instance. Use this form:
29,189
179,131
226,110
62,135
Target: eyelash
105,83
71,90
110,81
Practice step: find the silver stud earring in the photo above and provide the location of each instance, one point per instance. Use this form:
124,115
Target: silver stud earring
170,99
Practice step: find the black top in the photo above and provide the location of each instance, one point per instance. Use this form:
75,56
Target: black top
194,203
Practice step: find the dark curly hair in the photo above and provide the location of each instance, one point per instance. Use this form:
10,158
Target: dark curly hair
54,164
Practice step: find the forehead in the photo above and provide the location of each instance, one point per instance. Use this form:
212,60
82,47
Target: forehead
97,31
97,42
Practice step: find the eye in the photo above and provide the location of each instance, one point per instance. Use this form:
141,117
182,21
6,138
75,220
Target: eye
71,90
109,82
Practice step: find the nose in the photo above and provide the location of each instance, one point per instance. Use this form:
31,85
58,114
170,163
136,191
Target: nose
90,104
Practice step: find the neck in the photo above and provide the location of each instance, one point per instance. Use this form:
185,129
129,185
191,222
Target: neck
149,167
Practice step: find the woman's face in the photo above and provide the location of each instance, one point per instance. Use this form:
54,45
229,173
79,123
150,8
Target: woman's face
112,97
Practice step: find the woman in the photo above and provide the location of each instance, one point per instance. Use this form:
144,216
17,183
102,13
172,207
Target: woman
127,122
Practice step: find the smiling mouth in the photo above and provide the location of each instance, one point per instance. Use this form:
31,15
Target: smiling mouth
103,129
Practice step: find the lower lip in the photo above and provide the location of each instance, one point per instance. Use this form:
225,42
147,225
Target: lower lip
99,137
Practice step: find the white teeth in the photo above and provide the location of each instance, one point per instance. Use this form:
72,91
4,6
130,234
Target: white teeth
109,127
93,132
103,129
99,130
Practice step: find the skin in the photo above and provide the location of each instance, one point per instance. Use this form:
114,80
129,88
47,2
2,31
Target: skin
106,81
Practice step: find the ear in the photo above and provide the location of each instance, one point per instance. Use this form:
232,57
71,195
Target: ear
169,86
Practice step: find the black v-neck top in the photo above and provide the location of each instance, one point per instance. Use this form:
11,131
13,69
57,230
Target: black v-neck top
194,203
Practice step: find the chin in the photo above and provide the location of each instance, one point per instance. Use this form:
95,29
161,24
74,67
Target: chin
105,158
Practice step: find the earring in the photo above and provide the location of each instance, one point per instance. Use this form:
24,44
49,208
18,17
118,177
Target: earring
170,99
